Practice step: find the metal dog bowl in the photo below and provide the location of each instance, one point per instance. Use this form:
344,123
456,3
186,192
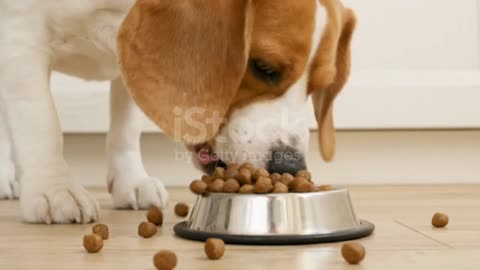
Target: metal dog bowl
275,219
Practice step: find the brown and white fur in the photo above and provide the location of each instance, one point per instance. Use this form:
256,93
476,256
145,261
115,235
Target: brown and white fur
170,57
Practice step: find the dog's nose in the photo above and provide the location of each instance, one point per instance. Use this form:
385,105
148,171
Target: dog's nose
286,159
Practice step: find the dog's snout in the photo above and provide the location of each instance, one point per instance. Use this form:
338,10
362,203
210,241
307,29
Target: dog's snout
286,159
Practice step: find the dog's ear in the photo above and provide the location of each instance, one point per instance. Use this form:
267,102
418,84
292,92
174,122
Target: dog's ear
183,61
330,71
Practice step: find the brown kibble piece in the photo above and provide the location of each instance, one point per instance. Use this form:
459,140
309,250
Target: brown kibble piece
231,173
280,187
439,220
287,178
165,260
259,173
231,186
155,215
102,230
207,179
198,187
233,166
216,186
214,248
147,229
245,189
181,209
305,174
353,253
325,188
301,184
219,173
244,176
263,185
249,166
92,243
275,177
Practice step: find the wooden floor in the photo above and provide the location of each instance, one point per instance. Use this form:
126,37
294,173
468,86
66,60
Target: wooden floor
403,240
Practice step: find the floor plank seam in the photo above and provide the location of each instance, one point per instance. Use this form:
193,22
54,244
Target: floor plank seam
423,234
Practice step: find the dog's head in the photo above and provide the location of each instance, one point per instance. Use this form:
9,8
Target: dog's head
231,79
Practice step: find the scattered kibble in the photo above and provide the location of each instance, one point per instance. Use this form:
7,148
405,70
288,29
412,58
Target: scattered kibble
214,248
147,229
353,253
155,216
181,209
102,230
165,260
92,243
439,220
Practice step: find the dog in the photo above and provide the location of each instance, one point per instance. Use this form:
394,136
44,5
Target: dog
229,79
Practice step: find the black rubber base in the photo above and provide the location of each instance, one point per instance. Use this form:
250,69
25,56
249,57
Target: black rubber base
365,229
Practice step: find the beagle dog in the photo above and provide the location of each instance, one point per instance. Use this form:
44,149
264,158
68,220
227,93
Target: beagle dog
229,79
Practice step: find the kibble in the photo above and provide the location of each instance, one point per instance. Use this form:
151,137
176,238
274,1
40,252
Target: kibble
259,173
181,209
287,178
280,187
245,189
165,260
353,253
248,166
92,243
263,185
214,248
198,187
231,173
231,186
155,216
233,166
296,181
325,188
275,177
102,230
147,229
219,173
439,220
207,179
305,174
303,185
244,176
216,186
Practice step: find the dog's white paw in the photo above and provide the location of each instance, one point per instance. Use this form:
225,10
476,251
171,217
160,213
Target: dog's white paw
9,185
63,202
138,193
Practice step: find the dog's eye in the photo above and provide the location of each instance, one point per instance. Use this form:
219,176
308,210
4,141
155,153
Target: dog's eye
264,71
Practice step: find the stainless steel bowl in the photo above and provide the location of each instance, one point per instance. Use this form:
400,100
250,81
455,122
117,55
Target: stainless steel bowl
292,218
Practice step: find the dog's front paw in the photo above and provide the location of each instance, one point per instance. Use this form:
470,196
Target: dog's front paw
9,186
64,202
137,193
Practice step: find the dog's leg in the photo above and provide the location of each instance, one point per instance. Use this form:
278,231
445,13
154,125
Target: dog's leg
48,194
128,182
9,186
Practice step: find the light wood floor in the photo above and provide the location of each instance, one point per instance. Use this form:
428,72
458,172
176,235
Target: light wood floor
404,238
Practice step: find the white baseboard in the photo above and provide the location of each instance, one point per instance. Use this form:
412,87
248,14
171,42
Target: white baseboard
372,99
366,157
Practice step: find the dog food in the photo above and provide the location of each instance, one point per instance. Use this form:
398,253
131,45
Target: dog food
263,185
231,186
280,187
353,253
246,189
439,220
181,209
102,230
155,216
246,178
165,260
92,243
214,248
147,229
198,187
216,186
